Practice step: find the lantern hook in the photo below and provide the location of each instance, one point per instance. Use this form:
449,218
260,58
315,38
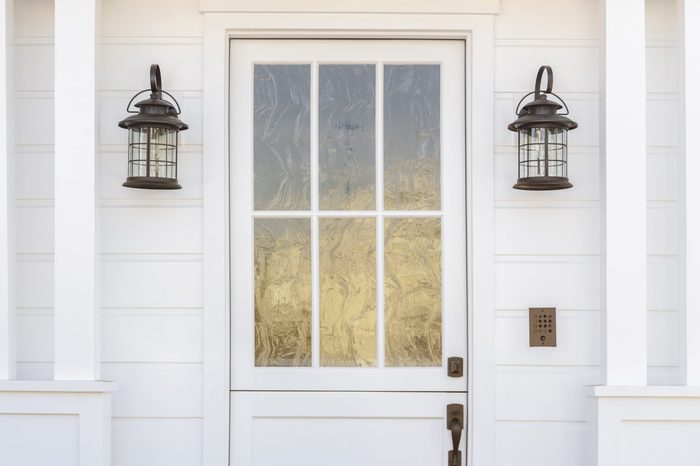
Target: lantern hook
538,81
156,83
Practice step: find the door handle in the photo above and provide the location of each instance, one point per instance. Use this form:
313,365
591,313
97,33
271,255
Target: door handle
455,424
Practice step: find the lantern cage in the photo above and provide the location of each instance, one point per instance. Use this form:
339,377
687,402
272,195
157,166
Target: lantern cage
542,139
153,138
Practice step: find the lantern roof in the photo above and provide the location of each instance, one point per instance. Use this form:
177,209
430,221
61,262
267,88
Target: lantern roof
542,112
154,111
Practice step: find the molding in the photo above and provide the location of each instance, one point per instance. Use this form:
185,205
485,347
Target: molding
358,6
622,391
57,386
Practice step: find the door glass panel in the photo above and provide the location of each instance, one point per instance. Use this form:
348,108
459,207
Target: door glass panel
348,292
344,249
346,131
412,137
282,292
281,127
413,292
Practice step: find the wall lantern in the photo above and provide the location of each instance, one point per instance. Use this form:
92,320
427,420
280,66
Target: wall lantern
542,139
153,138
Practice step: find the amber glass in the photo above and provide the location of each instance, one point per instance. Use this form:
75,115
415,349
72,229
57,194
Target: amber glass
413,292
282,292
348,311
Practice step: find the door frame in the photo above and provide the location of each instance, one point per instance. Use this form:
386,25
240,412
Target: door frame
478,32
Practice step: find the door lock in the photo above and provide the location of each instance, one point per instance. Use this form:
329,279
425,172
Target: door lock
455,367
455,424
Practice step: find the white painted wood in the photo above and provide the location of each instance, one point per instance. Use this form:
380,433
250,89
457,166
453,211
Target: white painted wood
563,282
480,131
360,428
70,421
7,195
156,390
690,15
578,340
157,442
519,443
142,336
544,394
142,282
647,425
151,230
625,194
77,298
362,6
450,54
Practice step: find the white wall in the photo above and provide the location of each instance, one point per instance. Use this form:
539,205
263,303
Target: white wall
548,245
151,241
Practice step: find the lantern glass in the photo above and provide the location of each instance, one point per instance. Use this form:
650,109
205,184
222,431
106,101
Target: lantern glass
153,152
542,152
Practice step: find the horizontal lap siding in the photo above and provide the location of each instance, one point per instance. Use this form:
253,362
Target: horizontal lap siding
151,241
548,245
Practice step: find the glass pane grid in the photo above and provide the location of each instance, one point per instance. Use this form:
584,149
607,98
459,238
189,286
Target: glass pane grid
346,329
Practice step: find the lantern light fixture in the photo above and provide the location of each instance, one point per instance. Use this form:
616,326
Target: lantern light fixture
153,138
542,139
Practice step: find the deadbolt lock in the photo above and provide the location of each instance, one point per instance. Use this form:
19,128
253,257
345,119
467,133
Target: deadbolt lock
455,367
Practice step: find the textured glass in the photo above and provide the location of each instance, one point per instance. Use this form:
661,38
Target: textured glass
412,137
281,142
348,292
282,292
412,292
346,131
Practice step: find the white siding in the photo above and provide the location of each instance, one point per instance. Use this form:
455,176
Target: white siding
151,241
548,245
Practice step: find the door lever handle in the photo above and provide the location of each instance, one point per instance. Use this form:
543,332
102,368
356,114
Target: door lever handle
455,424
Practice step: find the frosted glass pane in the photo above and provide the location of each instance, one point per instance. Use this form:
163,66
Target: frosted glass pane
412,137
281,142
282,292
346,132
348,292
413,292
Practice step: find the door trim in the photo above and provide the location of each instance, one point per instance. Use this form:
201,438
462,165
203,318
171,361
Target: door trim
477,31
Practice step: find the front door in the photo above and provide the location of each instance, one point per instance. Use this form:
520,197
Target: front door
348,252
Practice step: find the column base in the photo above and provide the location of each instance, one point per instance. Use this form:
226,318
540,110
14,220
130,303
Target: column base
645,426
62,423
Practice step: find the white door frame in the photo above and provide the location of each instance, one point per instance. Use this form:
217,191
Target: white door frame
478,32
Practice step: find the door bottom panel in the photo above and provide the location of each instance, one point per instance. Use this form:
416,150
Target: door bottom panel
343,429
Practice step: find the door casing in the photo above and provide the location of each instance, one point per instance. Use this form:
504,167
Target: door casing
477,30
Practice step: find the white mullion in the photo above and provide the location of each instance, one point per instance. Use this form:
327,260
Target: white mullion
379,188
315,291
348,214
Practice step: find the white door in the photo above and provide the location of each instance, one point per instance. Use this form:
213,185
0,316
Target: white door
348,250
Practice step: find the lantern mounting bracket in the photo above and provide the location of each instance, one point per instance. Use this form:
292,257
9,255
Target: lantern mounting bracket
156,82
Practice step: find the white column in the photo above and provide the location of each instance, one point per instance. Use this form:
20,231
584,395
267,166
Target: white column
7,198
76,302
690,27
624,150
